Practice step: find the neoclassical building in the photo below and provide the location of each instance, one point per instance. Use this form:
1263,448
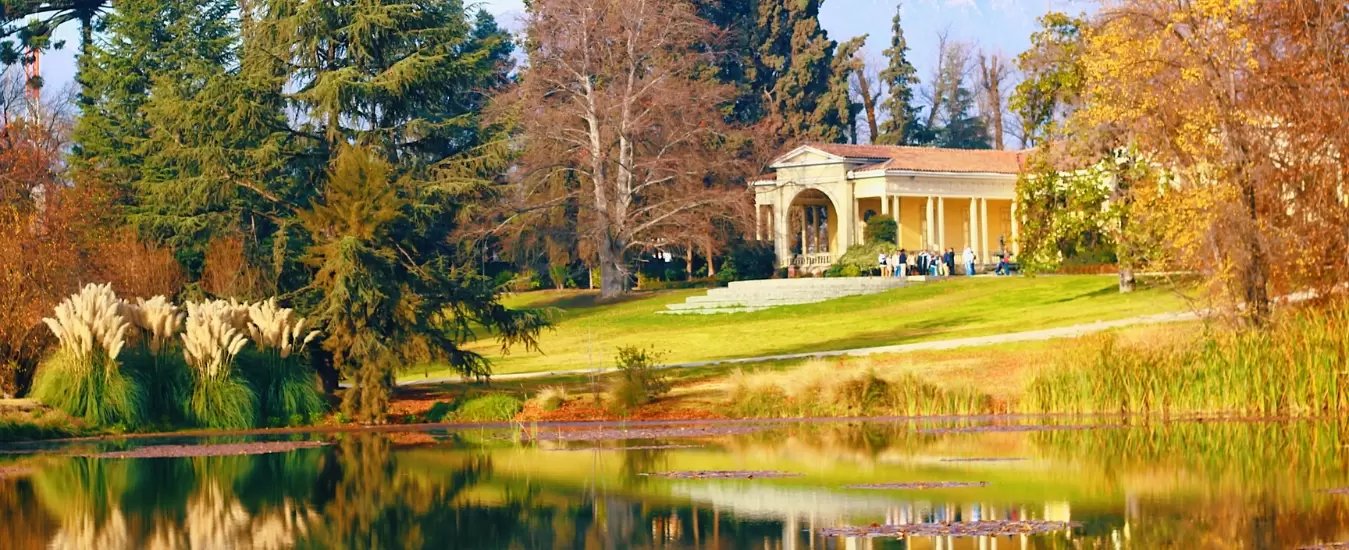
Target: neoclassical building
816,202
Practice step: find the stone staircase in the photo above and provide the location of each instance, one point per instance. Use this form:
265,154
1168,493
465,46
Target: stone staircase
746,296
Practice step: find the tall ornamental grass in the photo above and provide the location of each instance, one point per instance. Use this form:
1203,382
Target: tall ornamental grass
155,357
220,397
1298,366
823,388
84,378
288,388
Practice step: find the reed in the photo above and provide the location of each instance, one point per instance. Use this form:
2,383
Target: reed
1297,366
84,378
823,388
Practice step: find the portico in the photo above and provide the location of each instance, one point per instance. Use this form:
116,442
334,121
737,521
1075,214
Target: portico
815,204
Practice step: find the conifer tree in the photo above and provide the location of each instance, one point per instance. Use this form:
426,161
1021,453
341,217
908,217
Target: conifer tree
900,77
799,59
840,111
389,93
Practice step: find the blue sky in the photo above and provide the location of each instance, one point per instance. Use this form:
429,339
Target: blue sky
996,25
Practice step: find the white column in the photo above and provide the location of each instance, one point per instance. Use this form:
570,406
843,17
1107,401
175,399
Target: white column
973,243
899,225
758,222
941,224
1016,232
782,243
931,224
822,242
885,203
857,223
983,227
805,231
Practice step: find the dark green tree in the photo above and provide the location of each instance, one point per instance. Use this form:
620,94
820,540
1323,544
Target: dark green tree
735,52
389,94
800,94
142,39
963,128
900,76
838,106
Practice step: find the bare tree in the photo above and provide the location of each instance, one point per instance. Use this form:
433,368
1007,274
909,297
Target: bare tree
617,124
949,75
994,70
868,87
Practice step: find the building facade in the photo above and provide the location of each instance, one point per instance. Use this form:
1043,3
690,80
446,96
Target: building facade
816,202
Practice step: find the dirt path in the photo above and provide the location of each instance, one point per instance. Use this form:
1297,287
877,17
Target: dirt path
978,341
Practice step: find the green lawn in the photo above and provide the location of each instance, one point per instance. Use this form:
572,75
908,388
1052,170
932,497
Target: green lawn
586,334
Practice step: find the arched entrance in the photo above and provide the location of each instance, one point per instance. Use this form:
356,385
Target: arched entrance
813,230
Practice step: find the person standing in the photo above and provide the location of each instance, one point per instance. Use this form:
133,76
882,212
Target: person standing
881,260
903,264
949,258
969,261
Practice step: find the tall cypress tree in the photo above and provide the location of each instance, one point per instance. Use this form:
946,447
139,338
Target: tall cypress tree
900,76
839,110
796,59
736,59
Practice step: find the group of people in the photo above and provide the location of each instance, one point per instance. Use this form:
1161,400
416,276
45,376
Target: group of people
934,263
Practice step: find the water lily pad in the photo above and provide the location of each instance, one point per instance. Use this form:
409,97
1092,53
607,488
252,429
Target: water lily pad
635,448
232,449
919,485
954,529
722,474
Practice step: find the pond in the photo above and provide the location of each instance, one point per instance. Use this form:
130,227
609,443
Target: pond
1004,483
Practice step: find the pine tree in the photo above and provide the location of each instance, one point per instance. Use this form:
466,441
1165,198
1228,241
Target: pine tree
963,129
213,163
900,77
115,75
404,81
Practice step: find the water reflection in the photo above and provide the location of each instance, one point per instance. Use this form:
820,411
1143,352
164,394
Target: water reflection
1152,485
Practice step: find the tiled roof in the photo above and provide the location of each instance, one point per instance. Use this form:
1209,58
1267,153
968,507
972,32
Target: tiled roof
927,159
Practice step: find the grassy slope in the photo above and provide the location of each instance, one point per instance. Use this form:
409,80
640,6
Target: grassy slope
586,334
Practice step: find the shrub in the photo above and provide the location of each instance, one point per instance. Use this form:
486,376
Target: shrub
440,411
654,284
748,261
640,380
552,398
880,229
491,408
84,379
863,257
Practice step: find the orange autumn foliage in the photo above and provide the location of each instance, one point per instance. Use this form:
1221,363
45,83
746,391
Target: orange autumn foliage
55,237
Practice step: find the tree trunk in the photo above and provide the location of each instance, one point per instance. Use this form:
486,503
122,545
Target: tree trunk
1257,271
711,263
869,105
688,262
613,271
1126,279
